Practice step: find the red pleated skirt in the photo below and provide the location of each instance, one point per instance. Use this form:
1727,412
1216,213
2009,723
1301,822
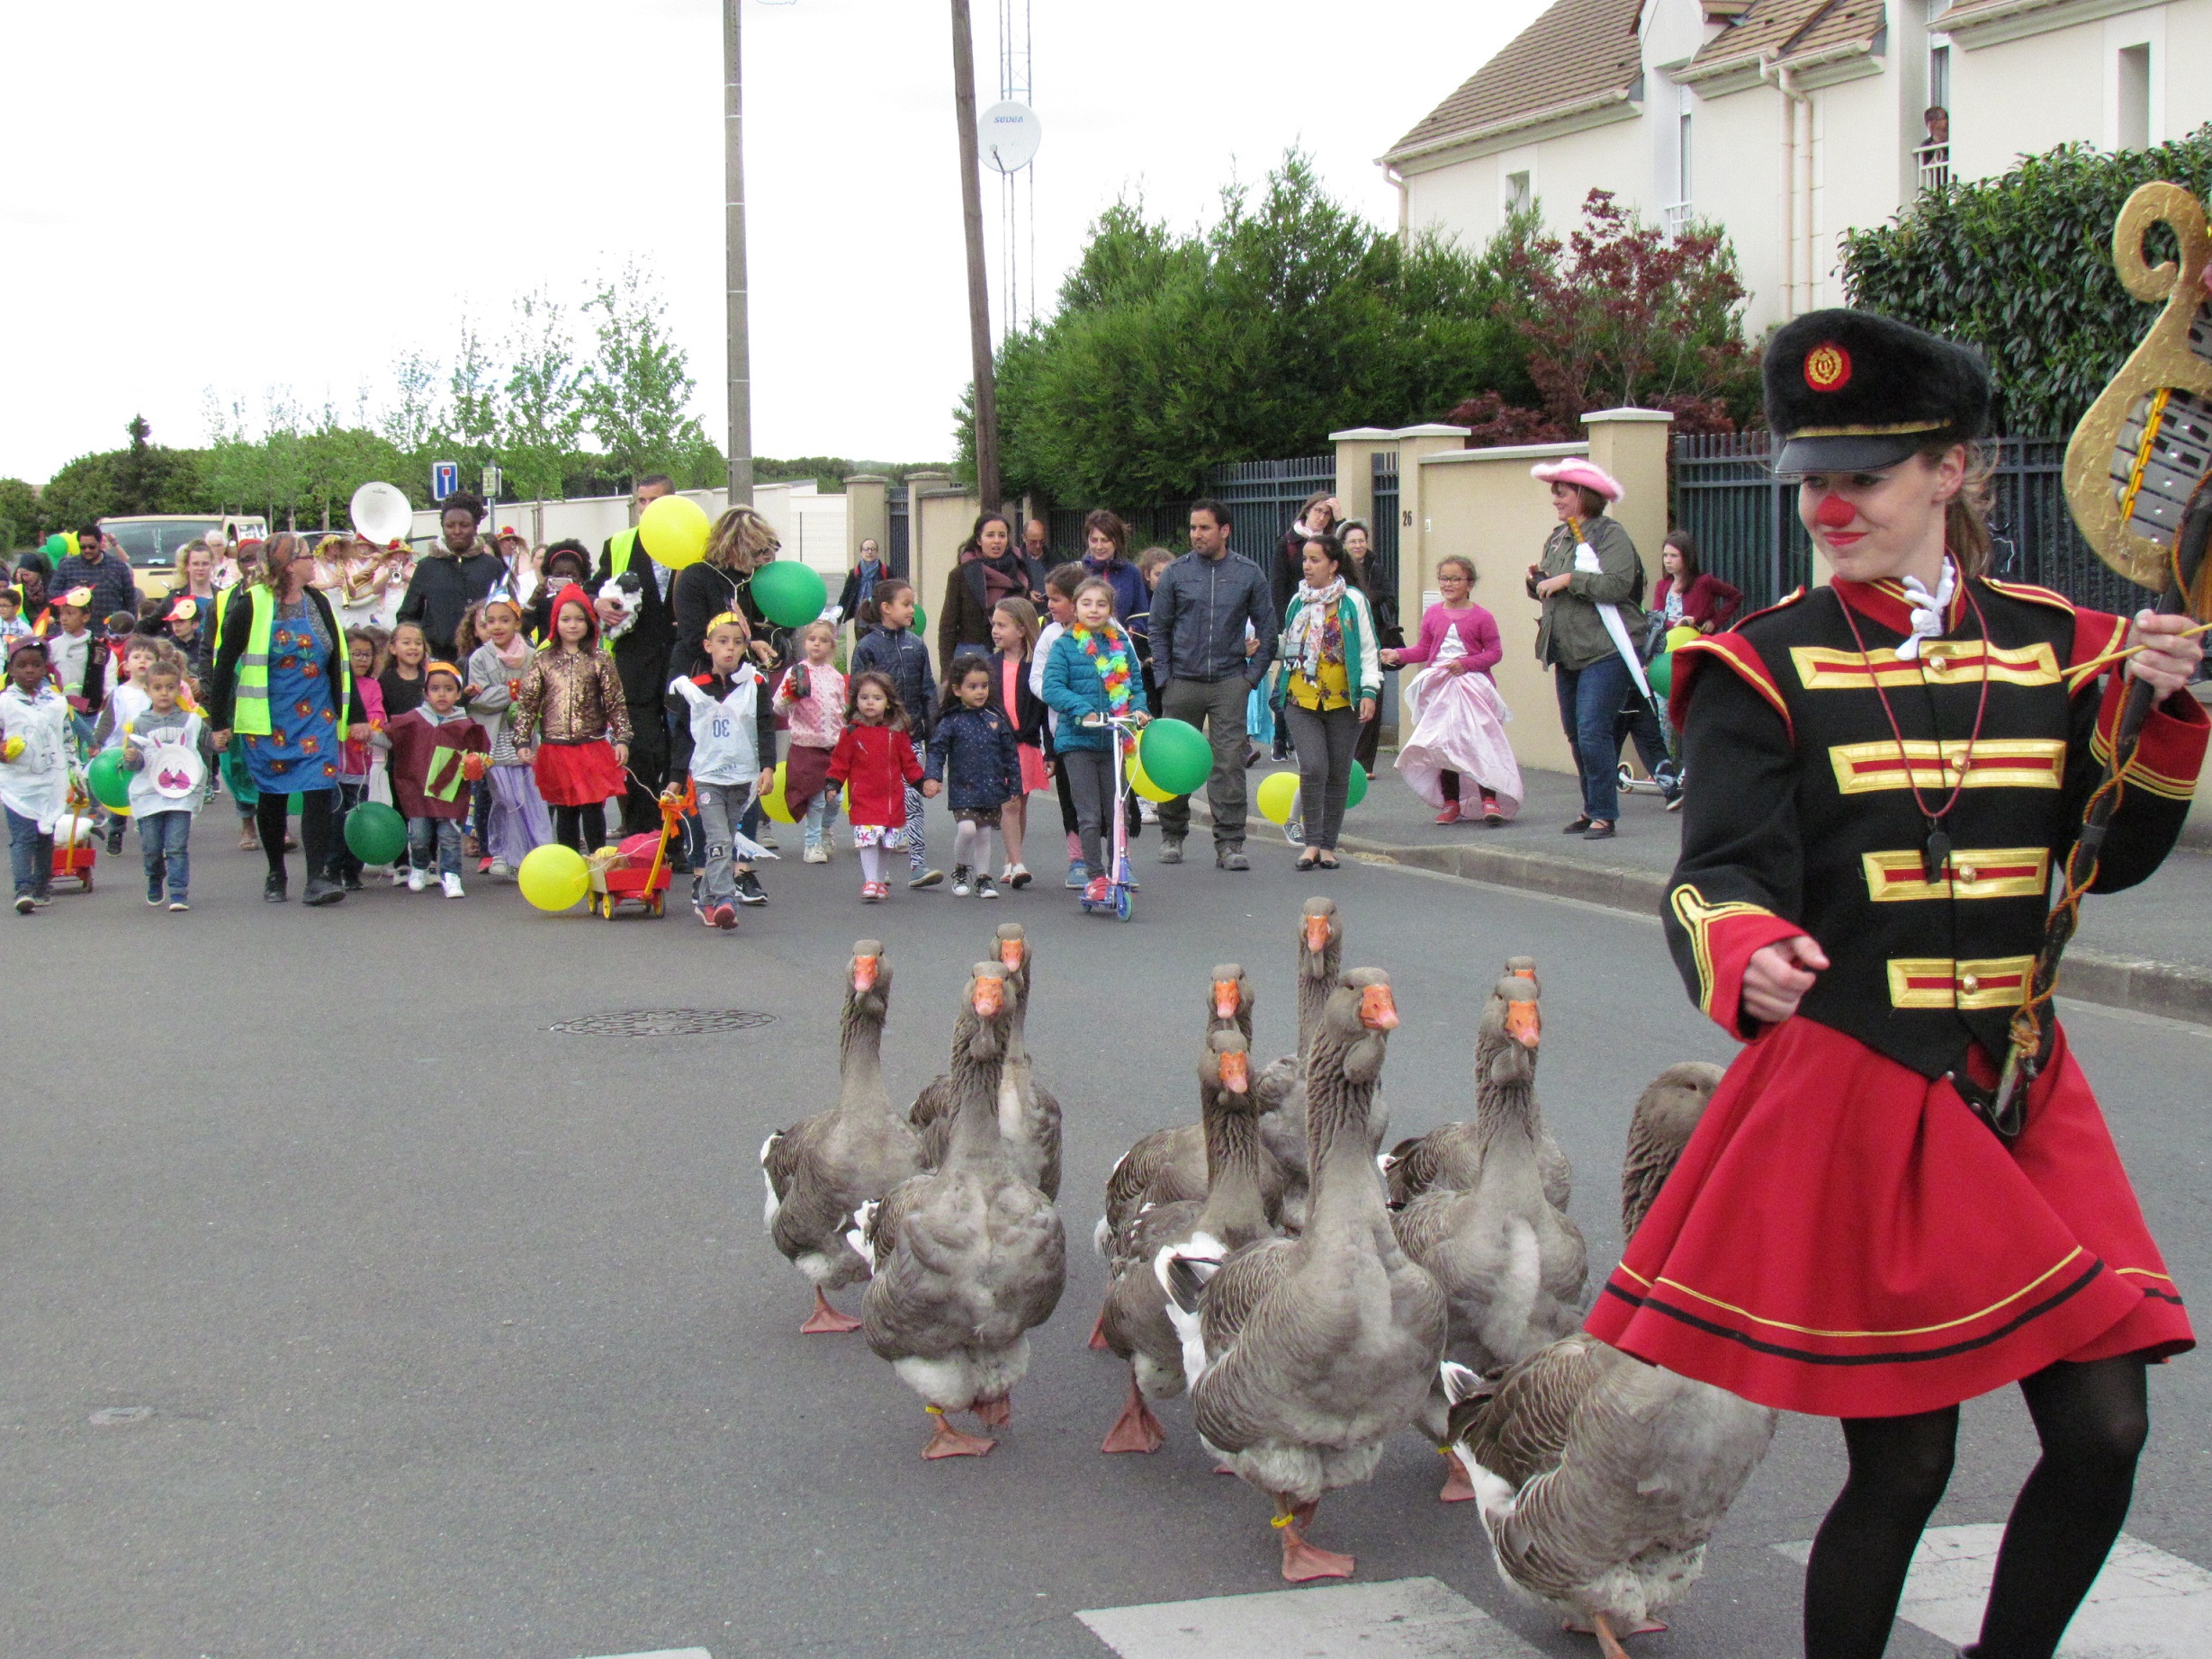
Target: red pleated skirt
578,773
1845,1238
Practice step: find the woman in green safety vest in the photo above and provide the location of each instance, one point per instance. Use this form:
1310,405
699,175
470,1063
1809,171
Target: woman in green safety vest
284,684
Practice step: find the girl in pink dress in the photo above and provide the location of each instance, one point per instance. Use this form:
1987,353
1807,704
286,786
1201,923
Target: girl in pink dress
1459,719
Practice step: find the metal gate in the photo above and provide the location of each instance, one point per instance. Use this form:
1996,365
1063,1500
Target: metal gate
1383,534
1264,496
896,535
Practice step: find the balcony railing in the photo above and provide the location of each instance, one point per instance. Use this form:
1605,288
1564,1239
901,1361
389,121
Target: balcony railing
1935,161
1674,216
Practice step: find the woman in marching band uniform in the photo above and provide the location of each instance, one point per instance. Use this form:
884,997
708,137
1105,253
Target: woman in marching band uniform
1894,766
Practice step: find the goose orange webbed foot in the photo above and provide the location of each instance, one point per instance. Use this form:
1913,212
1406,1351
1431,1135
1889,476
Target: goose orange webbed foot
1097,1331
1608,1644
1458,1488
949,1442
1137,1430
1302,1561
826,1320
994,1413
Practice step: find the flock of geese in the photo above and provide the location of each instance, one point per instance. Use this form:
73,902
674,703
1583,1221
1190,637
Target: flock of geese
1313,1294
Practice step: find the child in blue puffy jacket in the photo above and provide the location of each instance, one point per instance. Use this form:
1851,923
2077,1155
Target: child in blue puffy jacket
975,754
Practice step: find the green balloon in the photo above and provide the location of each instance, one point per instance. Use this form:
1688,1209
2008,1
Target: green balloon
57,547
1355,790
1660,672
375,833
922,619
1177,756
789,595
109,783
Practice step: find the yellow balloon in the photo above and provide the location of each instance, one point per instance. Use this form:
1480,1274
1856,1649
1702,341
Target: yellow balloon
1141,782
12,749
1681,634
674,531
1277,796
772,800
554,877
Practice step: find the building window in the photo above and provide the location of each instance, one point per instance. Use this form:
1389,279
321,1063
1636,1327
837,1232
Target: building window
2134,96
1518,197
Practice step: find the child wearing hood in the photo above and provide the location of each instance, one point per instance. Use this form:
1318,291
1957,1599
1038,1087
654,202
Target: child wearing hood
34,768
571,724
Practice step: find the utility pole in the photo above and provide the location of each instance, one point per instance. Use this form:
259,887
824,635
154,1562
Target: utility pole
978,279
733,224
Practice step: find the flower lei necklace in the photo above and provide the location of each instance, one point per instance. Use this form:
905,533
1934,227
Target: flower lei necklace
1109,651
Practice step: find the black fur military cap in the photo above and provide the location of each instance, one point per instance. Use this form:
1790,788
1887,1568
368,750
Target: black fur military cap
1851,391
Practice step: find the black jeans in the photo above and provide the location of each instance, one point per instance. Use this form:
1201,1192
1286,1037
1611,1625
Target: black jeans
1324,739
318,813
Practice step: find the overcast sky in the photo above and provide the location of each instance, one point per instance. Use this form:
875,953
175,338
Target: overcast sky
241,194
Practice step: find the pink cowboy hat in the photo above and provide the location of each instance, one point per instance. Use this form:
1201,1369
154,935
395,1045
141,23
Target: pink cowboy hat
1576,469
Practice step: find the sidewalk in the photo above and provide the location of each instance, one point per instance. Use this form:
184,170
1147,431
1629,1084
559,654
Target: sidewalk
2148,949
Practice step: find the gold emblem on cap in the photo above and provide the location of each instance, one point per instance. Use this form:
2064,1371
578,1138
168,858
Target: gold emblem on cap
1827,367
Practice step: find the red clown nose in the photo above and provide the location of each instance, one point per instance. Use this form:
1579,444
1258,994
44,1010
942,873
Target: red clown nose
1834,513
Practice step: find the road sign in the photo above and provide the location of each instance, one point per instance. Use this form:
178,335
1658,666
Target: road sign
493,479
445,479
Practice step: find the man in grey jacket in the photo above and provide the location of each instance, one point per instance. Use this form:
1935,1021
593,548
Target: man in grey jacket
1206,668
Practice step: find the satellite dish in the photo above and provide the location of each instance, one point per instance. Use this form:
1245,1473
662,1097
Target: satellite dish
1009,135
380,513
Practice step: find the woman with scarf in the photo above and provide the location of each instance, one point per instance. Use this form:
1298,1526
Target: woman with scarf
1092,670
1331,671
991,569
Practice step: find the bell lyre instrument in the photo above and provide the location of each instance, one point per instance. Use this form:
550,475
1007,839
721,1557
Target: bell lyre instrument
2137,474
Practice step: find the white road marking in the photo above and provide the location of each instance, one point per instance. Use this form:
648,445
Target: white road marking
1399,1619
2146,1604
666,1653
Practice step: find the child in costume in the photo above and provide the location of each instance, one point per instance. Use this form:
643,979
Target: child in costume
518,820
809,699
974,755
34,768
165,750
571,703
1864,1225
896,651
1060,584
876,757
1013,637
1092,670
437,752
359,755
79,665
1458,718
721,723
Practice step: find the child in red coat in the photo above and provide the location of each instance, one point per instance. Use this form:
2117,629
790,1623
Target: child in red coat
875,756
437,752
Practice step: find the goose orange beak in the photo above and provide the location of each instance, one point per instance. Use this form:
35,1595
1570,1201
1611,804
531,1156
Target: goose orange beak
1526,974
1011,952
1523,1024
1237,1073
863,973
1317,934
990,996
1226,998
1378,1009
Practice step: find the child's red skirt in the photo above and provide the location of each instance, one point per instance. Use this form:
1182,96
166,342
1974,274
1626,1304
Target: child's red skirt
578,773
1845,1238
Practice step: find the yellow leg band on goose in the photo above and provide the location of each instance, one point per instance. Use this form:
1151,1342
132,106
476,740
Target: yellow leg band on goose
1280,1521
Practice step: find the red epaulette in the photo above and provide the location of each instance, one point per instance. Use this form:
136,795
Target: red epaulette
1741,656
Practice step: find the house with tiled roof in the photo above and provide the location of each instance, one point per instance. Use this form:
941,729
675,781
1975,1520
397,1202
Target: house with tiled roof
1788,121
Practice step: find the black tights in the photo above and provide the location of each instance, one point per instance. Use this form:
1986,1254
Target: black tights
2091,1420
316,813
583,827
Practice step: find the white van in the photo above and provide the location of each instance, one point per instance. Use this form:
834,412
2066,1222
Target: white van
151,540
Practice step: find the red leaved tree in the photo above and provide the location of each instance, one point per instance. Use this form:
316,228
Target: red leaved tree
1624,315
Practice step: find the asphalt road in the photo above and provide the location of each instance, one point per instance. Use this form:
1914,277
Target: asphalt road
461,1337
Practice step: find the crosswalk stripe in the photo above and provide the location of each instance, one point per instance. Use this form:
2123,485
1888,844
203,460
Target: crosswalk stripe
1397,1618
2146,1604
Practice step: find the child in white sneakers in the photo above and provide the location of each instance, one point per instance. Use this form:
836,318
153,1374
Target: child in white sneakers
811,700
721,723
437,752
166,752
974,754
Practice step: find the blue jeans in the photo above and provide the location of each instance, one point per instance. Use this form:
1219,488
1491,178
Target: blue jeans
442,836
821,813
1589,700
31,856
165,843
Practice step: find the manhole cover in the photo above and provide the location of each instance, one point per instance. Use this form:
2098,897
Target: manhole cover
114,1416
658,1022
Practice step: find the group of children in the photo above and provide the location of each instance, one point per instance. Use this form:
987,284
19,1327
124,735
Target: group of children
514,743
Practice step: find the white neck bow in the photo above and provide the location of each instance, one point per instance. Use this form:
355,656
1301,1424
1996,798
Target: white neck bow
1928,609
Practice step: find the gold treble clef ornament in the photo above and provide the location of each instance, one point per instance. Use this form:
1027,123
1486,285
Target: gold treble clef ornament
2146,445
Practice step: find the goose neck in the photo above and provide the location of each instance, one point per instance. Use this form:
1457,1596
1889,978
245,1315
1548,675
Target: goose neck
1345,1186
861,1058
1234,1209
976,1080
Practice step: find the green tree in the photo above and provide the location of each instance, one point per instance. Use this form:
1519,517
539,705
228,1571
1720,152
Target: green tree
2021,267
410,423
1288,317
18,513
144,477
637,388
473,408
542,420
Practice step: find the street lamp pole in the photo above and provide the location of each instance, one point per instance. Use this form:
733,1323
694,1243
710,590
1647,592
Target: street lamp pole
978,283
733,178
